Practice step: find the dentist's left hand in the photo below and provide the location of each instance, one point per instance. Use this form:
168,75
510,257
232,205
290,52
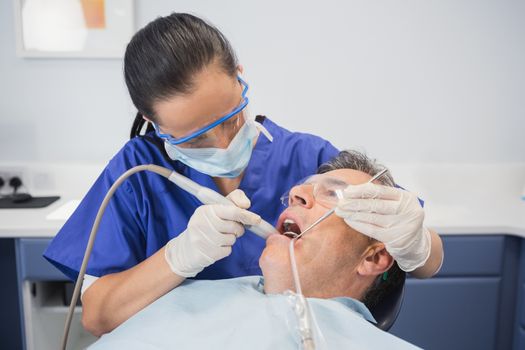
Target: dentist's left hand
390,215
210,235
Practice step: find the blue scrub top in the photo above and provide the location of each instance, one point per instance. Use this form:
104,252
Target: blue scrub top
147,210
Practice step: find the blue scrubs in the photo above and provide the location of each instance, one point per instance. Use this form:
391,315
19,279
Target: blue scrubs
147,210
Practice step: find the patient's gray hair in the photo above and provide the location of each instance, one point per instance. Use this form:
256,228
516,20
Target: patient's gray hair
384,284
351,159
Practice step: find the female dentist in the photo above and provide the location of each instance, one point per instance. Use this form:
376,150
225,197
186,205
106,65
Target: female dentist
185,81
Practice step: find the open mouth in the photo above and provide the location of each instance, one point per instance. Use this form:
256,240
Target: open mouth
289,226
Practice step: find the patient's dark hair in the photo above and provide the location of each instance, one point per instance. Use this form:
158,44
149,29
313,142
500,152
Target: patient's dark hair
162,58
349,159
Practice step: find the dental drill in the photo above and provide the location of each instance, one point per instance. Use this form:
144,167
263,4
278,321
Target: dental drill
203,194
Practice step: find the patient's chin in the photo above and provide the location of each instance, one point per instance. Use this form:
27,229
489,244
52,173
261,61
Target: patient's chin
277,239
275,266
268,261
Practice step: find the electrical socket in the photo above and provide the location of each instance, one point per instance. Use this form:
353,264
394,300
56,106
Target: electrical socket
8,173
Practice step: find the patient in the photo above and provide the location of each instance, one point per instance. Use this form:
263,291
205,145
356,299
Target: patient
340,270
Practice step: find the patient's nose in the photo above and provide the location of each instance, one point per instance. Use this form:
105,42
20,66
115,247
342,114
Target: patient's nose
302,195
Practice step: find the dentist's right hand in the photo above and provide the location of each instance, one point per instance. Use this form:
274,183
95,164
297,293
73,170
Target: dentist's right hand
210,235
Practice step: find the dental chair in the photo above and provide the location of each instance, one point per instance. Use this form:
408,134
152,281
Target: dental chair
388,309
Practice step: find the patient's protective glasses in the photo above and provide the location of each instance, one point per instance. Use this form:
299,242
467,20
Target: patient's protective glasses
177,141
326,190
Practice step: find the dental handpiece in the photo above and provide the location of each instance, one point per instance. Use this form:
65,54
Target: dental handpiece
208,196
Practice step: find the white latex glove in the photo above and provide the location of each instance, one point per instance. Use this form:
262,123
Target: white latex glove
390,215
212,230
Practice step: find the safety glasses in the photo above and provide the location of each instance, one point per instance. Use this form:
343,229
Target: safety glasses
326,190
177,141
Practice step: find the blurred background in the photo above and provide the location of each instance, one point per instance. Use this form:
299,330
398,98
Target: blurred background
407,81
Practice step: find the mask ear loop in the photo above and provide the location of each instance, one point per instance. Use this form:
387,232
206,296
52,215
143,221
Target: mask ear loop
264,131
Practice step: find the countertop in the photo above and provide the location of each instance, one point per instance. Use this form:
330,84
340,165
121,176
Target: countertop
459,198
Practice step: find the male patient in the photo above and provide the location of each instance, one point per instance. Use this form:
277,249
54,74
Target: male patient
339,269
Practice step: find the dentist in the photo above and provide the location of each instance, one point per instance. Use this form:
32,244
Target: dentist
184,79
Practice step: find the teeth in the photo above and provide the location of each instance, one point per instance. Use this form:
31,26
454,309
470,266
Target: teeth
287,223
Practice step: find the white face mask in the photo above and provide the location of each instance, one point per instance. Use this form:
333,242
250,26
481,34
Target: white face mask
218,162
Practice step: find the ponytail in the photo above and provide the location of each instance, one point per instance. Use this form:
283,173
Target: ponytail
137,126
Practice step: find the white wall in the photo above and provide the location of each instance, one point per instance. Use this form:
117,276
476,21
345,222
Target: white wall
406,80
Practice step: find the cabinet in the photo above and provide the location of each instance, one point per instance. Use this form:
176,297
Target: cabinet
471,303
477,301
519,335
10,330
42,293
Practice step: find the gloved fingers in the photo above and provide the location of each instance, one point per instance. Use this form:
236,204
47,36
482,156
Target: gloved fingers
371,190
378,220
410,202
413,253
230,227
366,229
239,198
225,251
216,254
219,232
383,234
233,213
207,258
381,206
229,239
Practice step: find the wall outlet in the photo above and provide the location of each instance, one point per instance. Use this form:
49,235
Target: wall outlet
7,173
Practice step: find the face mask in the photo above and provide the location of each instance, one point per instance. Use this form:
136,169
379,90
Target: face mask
229,162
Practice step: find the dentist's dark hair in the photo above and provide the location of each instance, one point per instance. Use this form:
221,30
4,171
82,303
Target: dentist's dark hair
162,58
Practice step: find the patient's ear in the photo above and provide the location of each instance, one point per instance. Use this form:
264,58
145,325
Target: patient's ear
375,260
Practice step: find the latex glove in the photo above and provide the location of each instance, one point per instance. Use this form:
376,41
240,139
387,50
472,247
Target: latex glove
390,215
212,230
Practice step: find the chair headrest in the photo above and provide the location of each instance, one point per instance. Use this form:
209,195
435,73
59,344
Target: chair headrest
386,311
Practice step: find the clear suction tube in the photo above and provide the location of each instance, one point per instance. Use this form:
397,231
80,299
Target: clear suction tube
311,336
204,194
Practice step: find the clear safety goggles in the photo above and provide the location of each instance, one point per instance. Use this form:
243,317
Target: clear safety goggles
326,190
208,135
